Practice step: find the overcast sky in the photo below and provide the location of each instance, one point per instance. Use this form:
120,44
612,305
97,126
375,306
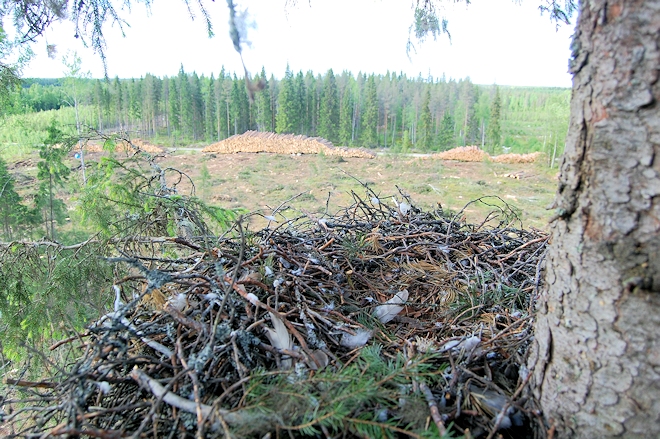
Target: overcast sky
492,41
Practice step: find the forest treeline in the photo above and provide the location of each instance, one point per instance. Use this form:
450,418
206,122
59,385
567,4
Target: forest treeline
388,111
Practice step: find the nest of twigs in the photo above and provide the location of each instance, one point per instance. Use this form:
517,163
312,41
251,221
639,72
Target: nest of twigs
379,321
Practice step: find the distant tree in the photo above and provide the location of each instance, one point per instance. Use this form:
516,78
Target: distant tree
346,117
174,105
135,101
165,101
239,106
12,213
235,105
406,144
494,133
222,89
311,104
185,103
210,110
370,115
72,96
247,115
466,117
118,101
329,108
52,172
274,94
425,138
197,108
226,91
285,121
447,134
151,96
101,103
300,92
263,105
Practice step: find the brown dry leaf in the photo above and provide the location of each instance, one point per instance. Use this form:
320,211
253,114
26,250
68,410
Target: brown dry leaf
155,299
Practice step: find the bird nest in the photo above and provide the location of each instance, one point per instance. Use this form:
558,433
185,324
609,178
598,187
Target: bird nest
379,321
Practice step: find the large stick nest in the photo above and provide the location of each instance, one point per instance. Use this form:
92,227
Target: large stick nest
379,321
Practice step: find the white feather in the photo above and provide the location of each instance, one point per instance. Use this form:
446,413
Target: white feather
404,208
118,302
210,296
254,300
178,302
388,310
358,340
104,387
279,337
456,345
270,218
470,343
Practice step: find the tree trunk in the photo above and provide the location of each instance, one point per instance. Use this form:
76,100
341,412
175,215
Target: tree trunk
596,359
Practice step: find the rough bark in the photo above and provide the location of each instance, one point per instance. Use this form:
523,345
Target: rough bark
597,353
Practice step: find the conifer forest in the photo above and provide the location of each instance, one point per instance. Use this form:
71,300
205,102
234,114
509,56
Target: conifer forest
361,110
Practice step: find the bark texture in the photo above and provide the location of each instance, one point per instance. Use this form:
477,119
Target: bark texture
596,360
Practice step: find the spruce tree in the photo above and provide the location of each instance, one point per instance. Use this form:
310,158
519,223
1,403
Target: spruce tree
285,121
311,104
12,213
329,108
165,96
135,100
494,133
274,87
247,117
185,104
239,106
447,136
262,101
425,136
300,103
197,106
100,103
235,105
52,172
118,101
469,123
221,91
370,116
346,117
174,104
210,116
151,92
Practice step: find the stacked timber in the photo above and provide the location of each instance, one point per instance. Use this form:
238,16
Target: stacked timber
517,158
463,154
475,154
255,141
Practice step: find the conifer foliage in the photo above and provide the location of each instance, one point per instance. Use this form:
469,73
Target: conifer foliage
12,212
391,110
494,128
329,114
